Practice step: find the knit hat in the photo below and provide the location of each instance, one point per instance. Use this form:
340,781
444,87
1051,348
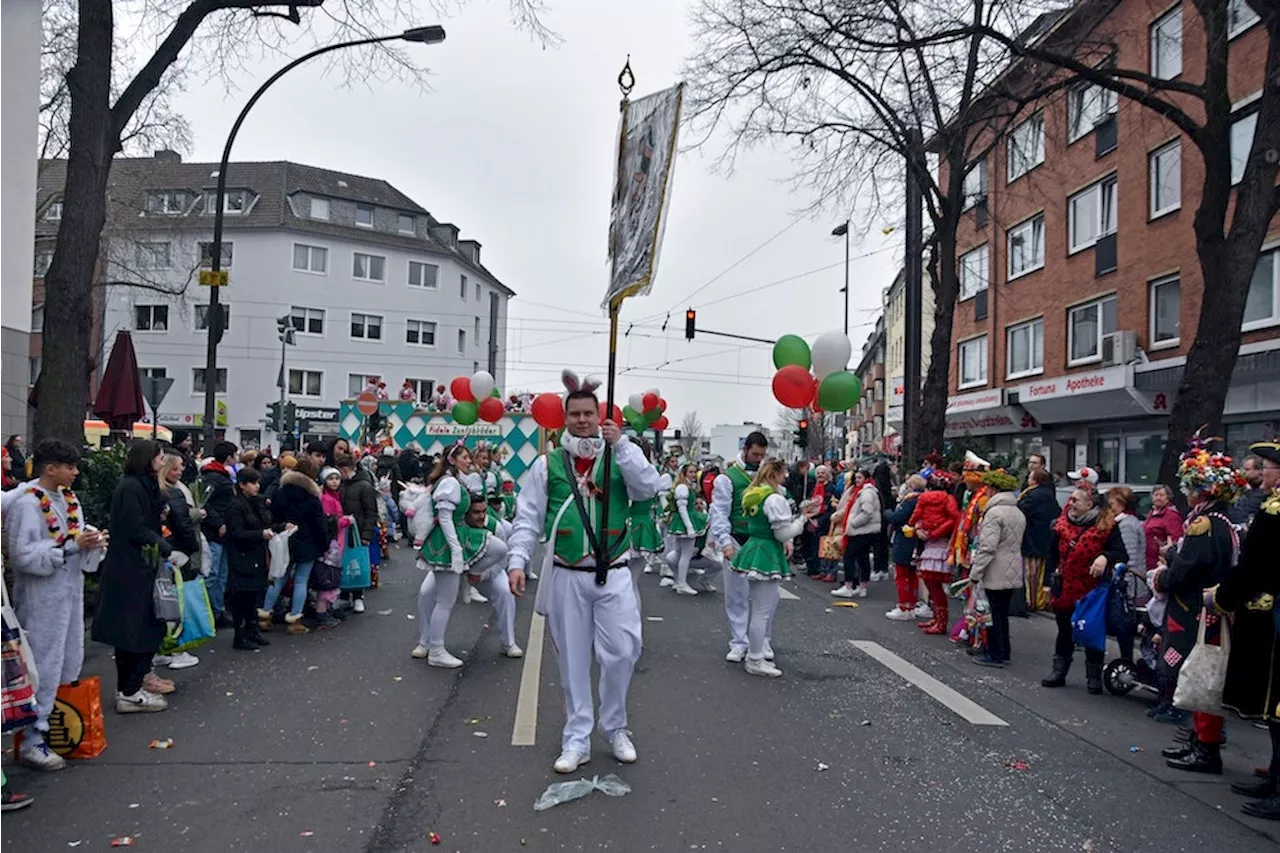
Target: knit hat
327,472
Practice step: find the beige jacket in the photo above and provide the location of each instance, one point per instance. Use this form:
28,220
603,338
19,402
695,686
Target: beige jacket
997,563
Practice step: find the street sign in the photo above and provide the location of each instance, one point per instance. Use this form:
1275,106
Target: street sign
210,278
367,403
154,389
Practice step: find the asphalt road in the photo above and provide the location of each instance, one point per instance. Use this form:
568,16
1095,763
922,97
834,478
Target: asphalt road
338,740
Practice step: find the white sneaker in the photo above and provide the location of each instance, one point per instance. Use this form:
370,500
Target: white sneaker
420,652
570,761
473,596
666,582
442,658
922,611
667,573
897,614
736,655
358,605
530,575
37,755
685,589
648,569
513,651
859,592
141,702
762,668
183,660
843,592
623,749
161,660
768,651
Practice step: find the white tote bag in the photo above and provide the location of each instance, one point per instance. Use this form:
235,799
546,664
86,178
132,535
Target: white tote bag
278,555
1204,673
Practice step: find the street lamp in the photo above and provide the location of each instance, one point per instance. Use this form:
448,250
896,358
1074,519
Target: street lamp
433,34
842,230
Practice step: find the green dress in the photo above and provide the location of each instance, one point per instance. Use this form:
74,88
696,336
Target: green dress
645,537
762,558
474,540
675,523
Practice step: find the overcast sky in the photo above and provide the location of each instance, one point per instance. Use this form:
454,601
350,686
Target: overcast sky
515,145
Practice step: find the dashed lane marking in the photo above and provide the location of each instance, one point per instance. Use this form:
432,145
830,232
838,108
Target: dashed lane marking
966,708
783,592
525,730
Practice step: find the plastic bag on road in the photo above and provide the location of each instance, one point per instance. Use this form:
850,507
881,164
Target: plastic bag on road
564,792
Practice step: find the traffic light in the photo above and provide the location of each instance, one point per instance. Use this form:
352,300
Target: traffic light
285,329
273,416
802,433
290,418
690,324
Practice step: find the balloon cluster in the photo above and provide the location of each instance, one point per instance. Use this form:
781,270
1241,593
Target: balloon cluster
476,398
646,410
829,387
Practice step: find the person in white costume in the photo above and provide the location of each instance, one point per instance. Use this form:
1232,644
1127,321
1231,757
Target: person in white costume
728,533
586,603
687,524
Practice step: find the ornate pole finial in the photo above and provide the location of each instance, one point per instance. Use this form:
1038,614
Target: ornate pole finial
626,79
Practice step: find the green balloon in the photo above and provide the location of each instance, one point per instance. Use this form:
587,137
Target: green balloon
652,416
638,423
791,349
630,414
465,413
839,392
496,393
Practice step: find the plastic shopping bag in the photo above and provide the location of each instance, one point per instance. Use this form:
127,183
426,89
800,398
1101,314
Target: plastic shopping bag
76,726
1089,621
356,571
278,555
565,792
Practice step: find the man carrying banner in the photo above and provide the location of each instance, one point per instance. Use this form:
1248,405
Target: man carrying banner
586,604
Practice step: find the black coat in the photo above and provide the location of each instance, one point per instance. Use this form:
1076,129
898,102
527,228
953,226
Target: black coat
182,526
410,467
126,617
360,499
903,548
270,482
1251,589
297,501
221,493
1040,507
246,549
1201,561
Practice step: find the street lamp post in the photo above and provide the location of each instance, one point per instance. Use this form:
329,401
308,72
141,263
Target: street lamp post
423,35
842,230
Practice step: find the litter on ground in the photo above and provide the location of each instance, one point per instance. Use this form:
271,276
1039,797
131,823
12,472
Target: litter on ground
564,792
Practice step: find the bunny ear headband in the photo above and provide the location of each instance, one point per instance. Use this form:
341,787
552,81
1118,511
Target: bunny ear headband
573,384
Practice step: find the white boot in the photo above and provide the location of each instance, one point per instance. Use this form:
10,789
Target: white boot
441,658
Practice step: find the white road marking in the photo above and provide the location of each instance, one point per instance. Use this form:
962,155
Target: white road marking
525,730
783,592
968,709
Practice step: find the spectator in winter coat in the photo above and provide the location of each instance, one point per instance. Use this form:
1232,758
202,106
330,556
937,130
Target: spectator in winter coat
183,443
1248,504
907,579
297,502
1040,507
216,476
1163,525
410,466
863,519
360,501
882,476
997,562
249,529
1124,504
183,516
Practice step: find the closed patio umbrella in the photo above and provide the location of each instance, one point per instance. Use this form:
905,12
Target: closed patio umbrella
119,400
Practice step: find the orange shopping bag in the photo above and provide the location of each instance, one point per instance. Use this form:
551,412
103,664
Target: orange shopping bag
76,726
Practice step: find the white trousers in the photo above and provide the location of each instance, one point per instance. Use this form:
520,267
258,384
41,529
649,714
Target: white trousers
680,555
636,563
493,585
439,592
737,592
581,617
764,604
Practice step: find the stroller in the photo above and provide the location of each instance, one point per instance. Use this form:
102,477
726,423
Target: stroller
1126,618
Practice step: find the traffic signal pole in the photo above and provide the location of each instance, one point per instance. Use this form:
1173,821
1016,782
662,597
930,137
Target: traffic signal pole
691,328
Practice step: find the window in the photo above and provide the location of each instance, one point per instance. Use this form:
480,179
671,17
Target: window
307,321
356,383
206,254
310,259
1086,106
424,388
1086,326
1024,347
37,318
420,332
151,318
1166,319
34,368
1026,246
1260,308
1240,16
1166,45
364,215
234,202
1092,214
1166,178
168,201
462,341
973,272
406,224
43,260
477,291
424,275
152,256
198,381
975,183
973,362
202,317
1242,130
1025,147
305,383
462,291
53,213
319,208
368,267
475,335
366,327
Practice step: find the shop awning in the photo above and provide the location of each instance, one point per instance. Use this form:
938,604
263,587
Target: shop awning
986,413
1103,394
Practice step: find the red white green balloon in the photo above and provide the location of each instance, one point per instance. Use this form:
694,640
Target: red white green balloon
791,350
839,392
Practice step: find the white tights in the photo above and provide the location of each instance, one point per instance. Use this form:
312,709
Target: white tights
764,603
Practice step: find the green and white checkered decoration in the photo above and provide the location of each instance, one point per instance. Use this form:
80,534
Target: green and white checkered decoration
519,436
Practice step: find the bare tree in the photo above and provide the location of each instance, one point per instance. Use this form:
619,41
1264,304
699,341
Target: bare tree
861,91
691,434
108,102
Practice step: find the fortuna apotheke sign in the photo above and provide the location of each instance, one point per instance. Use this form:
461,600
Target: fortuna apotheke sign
1074,384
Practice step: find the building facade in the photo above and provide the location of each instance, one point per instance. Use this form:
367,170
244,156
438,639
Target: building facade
895,352
866,430
1080,286
372,284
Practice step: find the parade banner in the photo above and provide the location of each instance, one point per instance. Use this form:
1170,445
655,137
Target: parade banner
647,135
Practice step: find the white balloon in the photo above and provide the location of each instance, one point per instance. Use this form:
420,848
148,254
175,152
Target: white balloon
831,353
482,385
636,401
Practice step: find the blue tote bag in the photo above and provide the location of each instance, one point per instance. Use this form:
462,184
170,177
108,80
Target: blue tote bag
196,627
1089,621
356,571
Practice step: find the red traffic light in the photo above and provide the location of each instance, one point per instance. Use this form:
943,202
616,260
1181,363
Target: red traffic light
690,324
804,423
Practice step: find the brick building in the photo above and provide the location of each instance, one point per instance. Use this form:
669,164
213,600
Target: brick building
1080,286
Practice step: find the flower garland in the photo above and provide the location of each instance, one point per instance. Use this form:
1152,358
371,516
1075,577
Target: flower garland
56,532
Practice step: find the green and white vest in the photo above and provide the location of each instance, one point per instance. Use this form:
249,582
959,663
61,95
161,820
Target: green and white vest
741,482
572,546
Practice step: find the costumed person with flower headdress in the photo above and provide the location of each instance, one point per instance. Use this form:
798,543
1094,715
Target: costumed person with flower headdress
997,561
765,558
451,549
587,593
933,522
49,551
727,525
972,506
1251,591
1209,548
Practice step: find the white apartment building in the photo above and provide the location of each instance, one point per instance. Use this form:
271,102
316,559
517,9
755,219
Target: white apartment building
373,284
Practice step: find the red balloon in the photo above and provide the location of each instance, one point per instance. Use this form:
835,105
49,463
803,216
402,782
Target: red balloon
491,410
793,386
661,423
461,389
650,400
662,405
604,413
548,411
